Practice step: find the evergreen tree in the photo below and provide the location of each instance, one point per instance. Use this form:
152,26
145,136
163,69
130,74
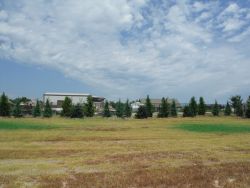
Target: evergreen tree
89,108
173,109
193,107
237,105
163,108
216,109
186,111
228,110
201,107
76,111
67,107
106,112
149,107
17,110
4,105
127,109
141,113
37,110
47,109
119,109
248,108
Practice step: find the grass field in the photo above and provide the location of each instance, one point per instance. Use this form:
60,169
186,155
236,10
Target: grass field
173,152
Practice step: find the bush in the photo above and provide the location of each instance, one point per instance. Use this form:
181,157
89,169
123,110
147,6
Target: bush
47,110
17,110
106,112
141,113
76,111
4,105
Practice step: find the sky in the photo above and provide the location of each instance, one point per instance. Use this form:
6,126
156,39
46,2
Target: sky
126,48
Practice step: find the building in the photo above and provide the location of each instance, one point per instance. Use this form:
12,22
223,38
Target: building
136,105
157,103
56,100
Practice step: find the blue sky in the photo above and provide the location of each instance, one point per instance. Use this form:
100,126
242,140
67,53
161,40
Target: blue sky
125,49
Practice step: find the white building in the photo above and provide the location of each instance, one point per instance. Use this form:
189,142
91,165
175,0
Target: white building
56,100
136,105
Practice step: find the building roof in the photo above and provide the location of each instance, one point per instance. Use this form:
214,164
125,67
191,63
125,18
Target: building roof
70,94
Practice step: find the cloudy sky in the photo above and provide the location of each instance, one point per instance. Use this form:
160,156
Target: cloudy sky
126,48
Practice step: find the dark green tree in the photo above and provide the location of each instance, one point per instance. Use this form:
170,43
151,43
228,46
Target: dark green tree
228,110
17,112
173,109
141,113
164,111
37,110
201,106
89,108
237,104
149,107
106,112
248,108
216,109
67,107
119,109
4,105
186,111
127,109
76,111
193,107
47,109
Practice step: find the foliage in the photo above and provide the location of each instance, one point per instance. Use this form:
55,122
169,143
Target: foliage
4,105
37,110
47,110
248,108
67,107
76,111
17,112
236,102
186,111
149,107
164,108
141,113
21,99
127,109
106,112
193,107
201,106
216,109
173,109
89,108
228,110
119,109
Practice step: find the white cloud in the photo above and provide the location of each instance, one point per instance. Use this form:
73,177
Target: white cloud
127,48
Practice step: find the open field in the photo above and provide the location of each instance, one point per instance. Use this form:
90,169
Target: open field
173,152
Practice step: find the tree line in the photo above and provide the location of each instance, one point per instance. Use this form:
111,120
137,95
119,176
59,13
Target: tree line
124,110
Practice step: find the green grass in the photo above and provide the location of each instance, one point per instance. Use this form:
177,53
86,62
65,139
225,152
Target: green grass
214,128
4,125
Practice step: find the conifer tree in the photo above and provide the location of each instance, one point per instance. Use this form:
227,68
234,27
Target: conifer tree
17,110
186,111
76,111
67,107
89,108
119,109
173,109
47,109
149,107
106,112
193,107
141,113
201,106
127,109
237,105
163,108
37,110
216,109
248,108
228,110
4,105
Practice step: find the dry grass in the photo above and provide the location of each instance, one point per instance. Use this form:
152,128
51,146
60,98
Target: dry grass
123,153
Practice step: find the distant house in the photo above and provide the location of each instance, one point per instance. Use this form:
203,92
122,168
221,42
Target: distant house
56,100
27,107
136,105
157,103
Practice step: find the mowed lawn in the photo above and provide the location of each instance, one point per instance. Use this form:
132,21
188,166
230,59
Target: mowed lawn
98,152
